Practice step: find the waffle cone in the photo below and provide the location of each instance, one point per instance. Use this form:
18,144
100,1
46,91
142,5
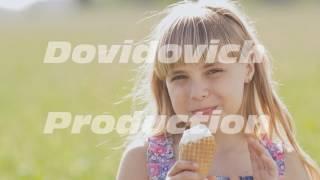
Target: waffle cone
201,152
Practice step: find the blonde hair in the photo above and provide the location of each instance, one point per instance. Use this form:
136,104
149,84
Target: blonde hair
195,23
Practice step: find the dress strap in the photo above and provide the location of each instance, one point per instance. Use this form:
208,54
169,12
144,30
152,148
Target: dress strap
160,155
276,150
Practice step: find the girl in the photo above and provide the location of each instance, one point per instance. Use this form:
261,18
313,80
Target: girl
201,87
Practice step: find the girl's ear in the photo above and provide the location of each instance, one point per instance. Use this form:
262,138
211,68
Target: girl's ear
250,69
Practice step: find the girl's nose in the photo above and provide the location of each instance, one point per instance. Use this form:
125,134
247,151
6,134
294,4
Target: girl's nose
199,91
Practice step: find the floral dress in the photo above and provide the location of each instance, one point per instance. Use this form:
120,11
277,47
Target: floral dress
160,157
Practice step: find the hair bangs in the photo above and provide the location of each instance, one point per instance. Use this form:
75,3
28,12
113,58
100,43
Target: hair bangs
189,39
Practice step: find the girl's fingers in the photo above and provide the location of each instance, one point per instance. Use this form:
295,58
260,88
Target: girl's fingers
258,147
255,168
181,165
252,157
262,161
254,153
258,165
271,165
256,162
267,160
211,178
187,175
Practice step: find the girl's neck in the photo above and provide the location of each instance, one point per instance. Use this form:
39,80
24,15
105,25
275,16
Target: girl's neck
228,143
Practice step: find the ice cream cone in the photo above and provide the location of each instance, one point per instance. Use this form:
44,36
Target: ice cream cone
200,151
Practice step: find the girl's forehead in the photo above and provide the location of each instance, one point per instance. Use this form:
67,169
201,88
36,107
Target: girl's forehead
191,66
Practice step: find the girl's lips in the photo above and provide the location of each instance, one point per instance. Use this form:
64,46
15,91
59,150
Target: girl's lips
205,111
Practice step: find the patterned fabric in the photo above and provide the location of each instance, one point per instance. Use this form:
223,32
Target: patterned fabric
246,178
277,153
160,157
240,178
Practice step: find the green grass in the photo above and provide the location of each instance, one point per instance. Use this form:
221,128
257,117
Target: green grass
31,89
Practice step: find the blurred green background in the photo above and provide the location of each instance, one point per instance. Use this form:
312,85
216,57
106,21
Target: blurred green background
30,89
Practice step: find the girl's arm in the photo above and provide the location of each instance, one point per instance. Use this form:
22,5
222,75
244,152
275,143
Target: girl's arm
294,167
133,164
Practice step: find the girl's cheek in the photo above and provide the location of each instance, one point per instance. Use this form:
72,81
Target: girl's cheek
229,92
179,98
233,99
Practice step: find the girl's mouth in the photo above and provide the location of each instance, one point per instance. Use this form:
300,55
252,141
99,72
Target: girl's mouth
204,111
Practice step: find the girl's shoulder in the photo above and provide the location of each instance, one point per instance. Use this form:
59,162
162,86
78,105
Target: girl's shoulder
132,164
295,168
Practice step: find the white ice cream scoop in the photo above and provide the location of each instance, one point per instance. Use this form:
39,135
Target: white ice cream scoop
195,133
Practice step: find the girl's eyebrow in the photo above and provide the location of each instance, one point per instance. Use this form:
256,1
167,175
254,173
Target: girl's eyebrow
178,71
174,72
209,65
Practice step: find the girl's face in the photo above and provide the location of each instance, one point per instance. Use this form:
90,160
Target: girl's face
204,87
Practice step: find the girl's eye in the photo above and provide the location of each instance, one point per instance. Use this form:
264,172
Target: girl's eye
178,77
214,71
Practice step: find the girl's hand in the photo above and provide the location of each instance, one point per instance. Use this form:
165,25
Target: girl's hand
184,170
263,166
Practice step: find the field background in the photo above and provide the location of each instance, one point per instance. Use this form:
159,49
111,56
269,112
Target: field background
30,89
